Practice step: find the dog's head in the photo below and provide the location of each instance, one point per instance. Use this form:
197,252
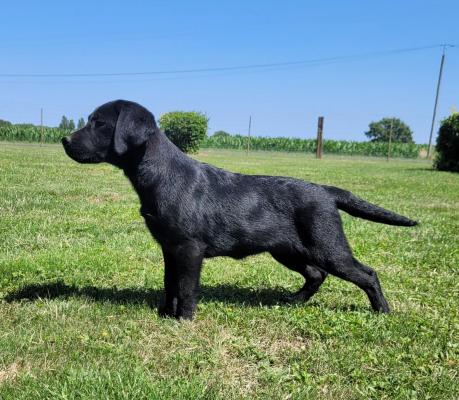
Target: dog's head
114,130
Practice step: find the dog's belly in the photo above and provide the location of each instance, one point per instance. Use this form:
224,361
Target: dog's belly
240,243
237,251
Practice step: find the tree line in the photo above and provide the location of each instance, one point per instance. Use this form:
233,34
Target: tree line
69,124
66,123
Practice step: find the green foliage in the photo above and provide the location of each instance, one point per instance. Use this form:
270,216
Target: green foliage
5,123
31,133
185,129
447,158
219,134
67,124
64,124
379,131
378,149
80,123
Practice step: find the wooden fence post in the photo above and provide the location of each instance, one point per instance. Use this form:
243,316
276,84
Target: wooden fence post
248,135
41,127
320,127
390,139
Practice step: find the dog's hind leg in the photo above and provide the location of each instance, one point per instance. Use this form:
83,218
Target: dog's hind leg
361,275
373,290
313,276
329,250
334,256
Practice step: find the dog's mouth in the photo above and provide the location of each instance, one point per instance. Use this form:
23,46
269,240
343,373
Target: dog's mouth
78,156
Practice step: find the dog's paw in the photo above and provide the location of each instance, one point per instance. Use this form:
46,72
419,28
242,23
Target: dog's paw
168,310
298,297
184,314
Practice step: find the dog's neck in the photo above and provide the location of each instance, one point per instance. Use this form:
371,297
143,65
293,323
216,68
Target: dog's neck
153,165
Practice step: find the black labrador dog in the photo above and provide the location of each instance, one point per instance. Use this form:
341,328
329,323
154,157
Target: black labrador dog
196,211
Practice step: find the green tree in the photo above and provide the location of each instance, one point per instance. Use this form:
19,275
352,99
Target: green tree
72,125
64,123
5,123
218,134
379,131
80,123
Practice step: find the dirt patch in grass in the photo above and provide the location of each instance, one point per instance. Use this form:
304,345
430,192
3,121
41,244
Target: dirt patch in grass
105,197
235,361
10,372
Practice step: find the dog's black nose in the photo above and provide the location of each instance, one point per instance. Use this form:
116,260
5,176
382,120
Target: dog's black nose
65,140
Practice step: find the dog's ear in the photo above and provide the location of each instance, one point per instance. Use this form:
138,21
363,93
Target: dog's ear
134,126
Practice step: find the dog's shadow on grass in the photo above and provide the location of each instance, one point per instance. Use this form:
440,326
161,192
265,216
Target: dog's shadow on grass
229,294
152,297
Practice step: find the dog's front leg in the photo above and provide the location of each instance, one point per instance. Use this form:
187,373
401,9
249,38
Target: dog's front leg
169,307
183,270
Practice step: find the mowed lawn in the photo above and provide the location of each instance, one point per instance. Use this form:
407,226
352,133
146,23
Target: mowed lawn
80,280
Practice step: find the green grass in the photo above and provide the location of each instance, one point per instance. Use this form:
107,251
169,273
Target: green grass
80,278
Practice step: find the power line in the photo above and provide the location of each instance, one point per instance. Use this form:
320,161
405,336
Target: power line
270,66
155,78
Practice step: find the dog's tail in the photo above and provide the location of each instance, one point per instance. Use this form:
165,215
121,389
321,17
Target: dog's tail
357,207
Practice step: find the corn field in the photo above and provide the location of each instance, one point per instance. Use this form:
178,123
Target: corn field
377,149
30,133
238,142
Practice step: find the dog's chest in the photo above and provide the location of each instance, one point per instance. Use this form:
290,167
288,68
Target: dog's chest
155,226
162,229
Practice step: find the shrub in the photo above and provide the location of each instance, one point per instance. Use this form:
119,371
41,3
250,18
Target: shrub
185,129
447,148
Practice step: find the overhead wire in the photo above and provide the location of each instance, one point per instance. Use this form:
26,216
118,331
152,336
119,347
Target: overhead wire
232,68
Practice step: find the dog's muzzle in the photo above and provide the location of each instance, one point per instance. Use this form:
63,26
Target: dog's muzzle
65,141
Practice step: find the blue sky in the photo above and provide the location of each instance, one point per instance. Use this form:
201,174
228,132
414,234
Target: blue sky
54,37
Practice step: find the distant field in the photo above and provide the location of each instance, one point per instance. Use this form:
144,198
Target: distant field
339,147
34,134
80,279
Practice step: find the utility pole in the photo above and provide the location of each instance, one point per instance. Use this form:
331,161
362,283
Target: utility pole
248,136
320,127
442,62
41,126
390,138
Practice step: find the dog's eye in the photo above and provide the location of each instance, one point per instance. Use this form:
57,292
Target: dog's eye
99,124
